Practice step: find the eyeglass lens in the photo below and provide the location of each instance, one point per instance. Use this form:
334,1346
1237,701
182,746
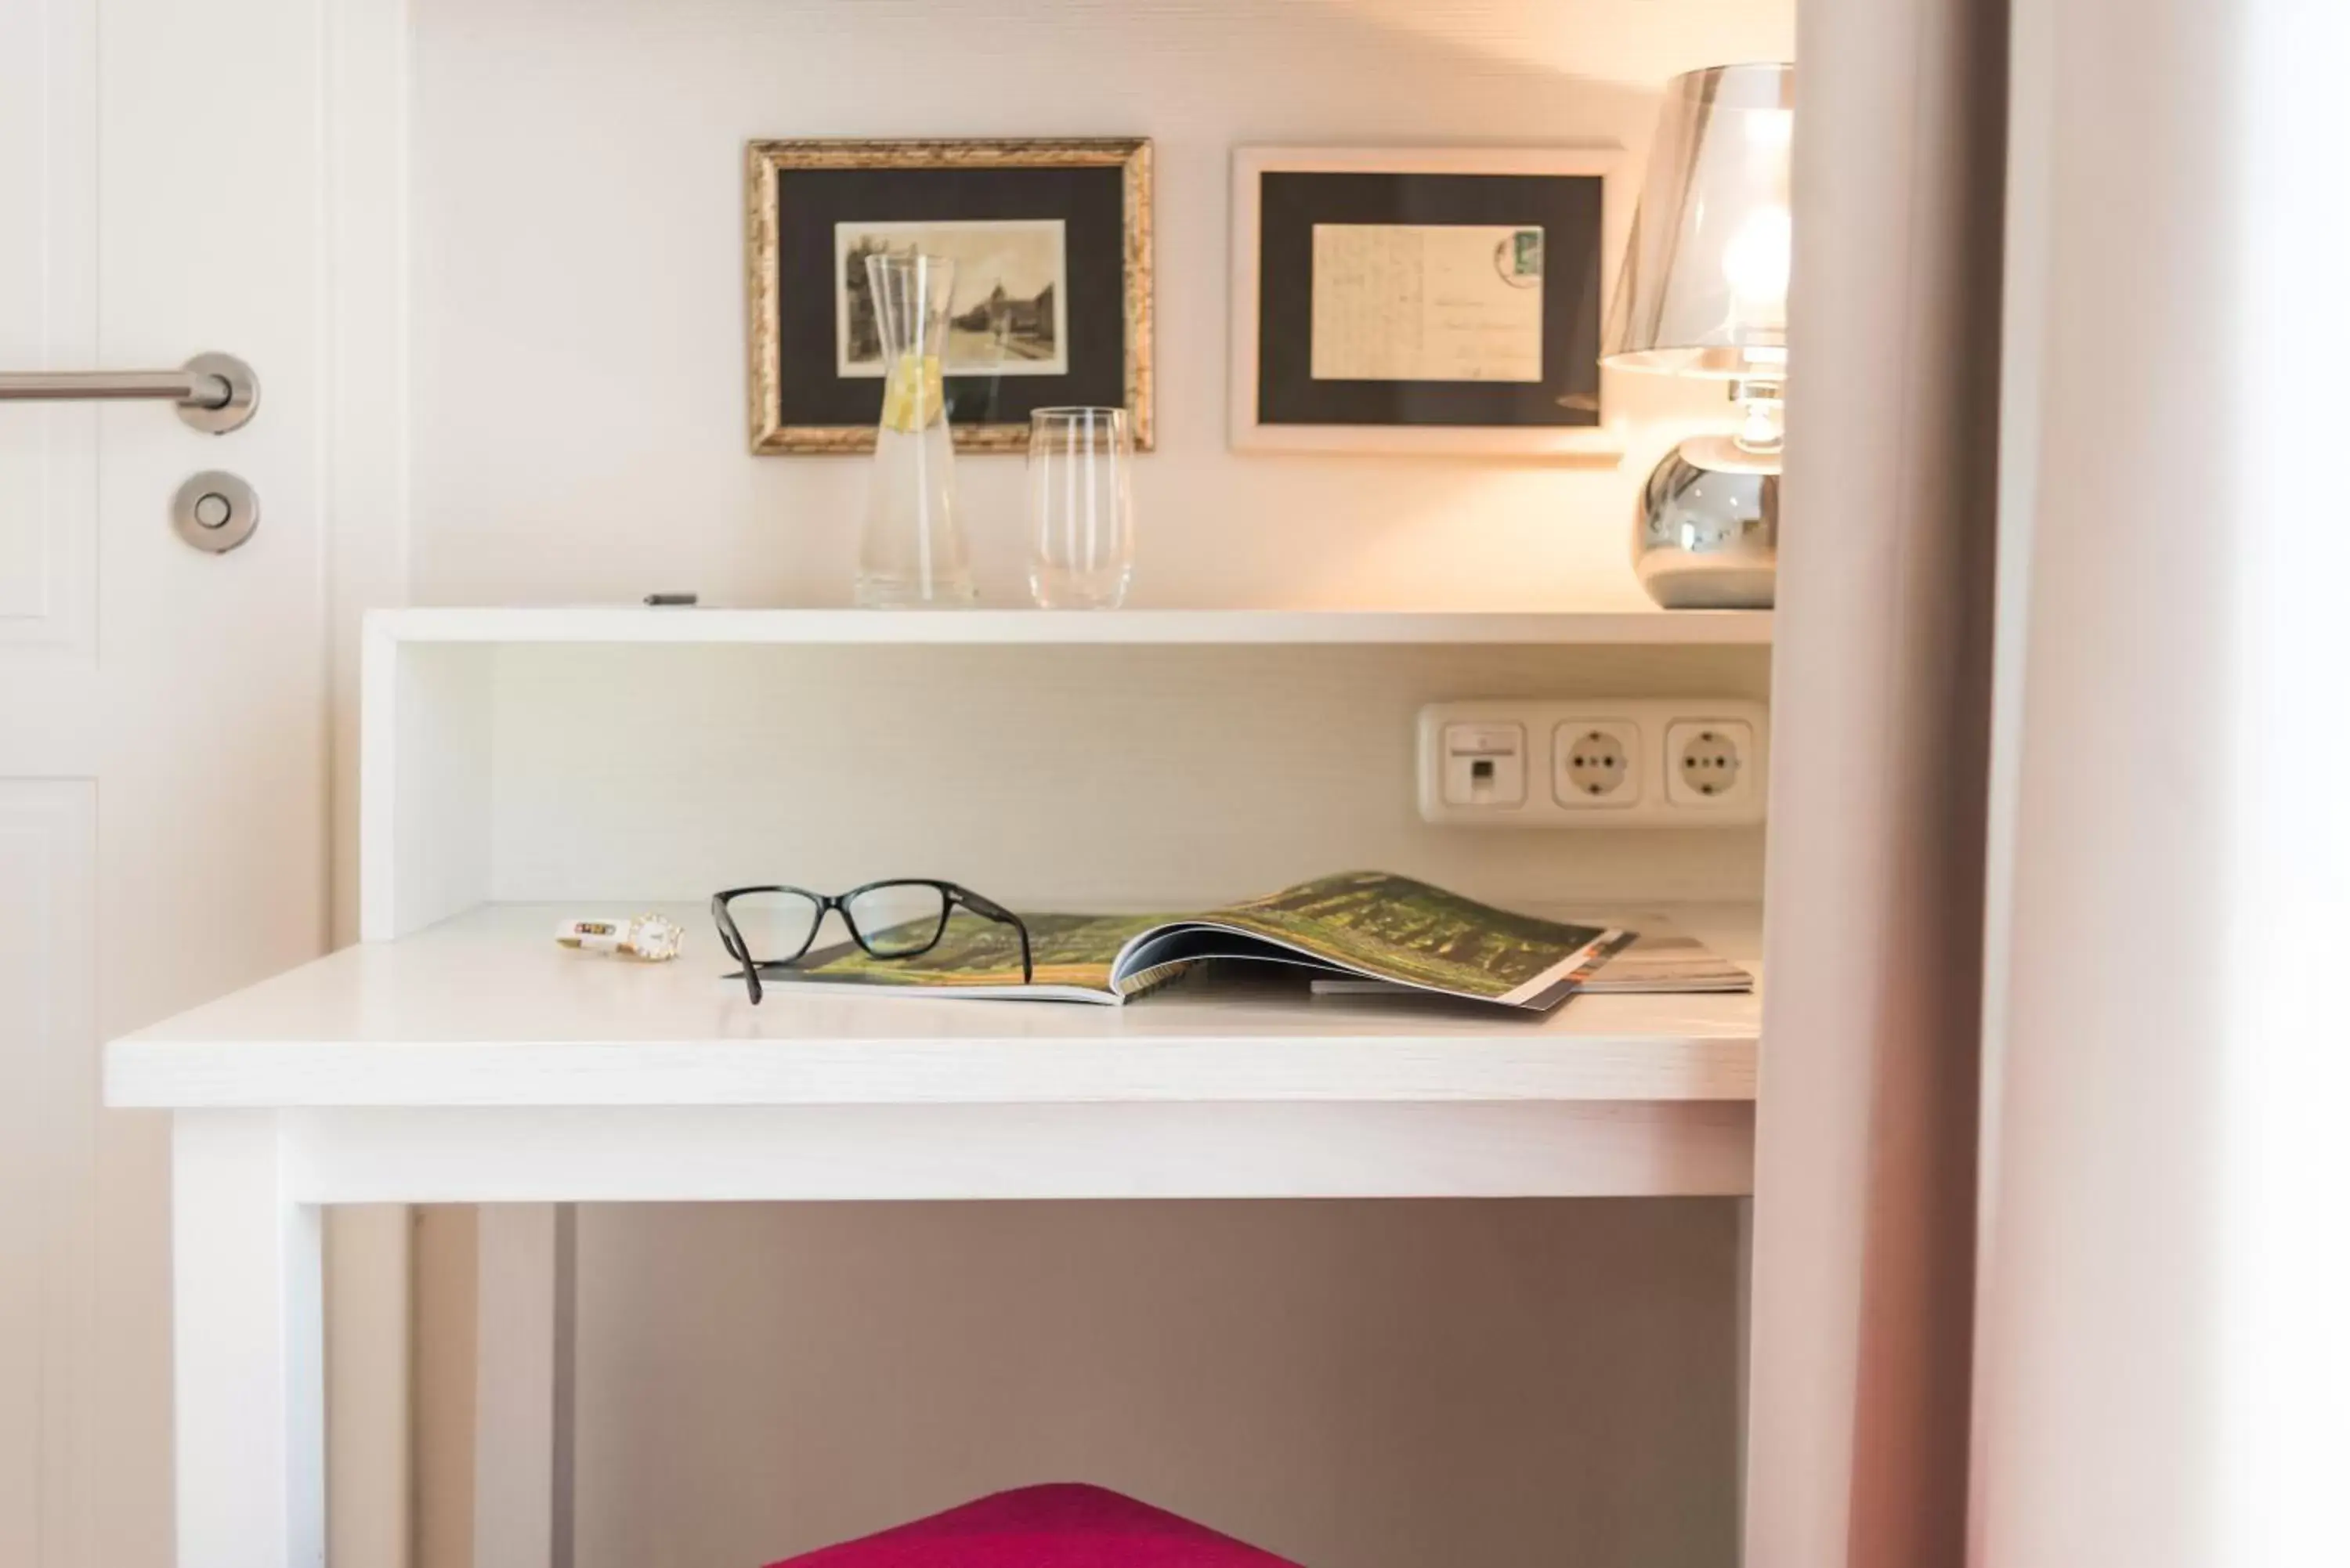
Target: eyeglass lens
897,919
775,926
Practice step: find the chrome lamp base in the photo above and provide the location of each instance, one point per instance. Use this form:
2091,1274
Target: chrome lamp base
1707,535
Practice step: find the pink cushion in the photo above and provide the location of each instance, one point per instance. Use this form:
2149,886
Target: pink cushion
1062,1526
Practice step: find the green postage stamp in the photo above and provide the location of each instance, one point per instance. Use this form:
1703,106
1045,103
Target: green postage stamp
1526,254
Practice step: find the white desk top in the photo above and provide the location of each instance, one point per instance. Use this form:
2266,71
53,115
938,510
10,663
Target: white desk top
486,1009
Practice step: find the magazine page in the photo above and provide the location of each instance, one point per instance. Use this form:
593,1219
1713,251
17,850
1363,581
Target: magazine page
1074,955
1667,960
1384,927
1663,959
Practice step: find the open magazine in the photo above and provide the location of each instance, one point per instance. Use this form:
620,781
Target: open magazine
1364,925
1663,959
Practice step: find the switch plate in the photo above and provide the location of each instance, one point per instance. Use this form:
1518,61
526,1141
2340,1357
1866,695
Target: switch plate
1534,763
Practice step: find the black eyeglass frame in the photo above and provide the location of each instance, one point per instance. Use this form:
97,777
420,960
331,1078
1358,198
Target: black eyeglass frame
953,895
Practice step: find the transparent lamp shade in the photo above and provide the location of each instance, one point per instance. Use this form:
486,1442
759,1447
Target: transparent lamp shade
1703,289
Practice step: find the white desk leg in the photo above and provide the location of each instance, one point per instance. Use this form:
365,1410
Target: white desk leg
247,1349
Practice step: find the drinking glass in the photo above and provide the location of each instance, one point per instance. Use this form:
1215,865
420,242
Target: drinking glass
1080,508
912,552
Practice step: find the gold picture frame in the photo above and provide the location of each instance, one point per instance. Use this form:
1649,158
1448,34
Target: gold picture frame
764,164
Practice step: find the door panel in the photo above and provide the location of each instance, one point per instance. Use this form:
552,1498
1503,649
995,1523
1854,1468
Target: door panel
48,1090
210,195
49,1116
48,68
163,727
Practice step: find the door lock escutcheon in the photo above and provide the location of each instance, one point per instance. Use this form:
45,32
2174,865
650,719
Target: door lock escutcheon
215,512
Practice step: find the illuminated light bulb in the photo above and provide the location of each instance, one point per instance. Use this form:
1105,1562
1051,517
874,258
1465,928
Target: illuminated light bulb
1756,261
1771,130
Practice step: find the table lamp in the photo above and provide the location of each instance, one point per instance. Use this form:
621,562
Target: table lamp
1704,293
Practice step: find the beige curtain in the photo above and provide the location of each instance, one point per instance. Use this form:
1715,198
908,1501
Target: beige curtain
1865,1203
2052,1264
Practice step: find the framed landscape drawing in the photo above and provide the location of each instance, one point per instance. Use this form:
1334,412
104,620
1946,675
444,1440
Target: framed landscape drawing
1051,242
1438,301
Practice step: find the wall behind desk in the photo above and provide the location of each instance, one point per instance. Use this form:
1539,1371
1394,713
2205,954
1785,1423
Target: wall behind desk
1068,778
577,354
1390,1386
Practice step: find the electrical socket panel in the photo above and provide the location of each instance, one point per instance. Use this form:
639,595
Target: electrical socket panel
1594,762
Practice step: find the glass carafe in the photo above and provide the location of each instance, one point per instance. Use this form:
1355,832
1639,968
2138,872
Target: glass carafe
912,552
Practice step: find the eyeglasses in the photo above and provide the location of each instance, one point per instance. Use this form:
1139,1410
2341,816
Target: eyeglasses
773,928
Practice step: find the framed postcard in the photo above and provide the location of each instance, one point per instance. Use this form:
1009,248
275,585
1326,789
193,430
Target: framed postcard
1051,242
1432,301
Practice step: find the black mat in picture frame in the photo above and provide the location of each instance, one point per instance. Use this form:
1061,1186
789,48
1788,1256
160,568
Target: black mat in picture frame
1436,301
1052,243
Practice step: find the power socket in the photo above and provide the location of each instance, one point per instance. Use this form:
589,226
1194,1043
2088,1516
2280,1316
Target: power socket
1612,762
1595,764
1711,763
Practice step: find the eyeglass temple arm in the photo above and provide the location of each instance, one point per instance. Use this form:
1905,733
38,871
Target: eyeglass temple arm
737,949
981,905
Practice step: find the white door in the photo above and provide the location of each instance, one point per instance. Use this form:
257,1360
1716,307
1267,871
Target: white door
164,730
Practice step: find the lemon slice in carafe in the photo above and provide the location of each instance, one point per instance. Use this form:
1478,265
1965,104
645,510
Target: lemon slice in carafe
917,394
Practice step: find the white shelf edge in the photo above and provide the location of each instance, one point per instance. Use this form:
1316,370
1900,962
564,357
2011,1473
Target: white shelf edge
1234,628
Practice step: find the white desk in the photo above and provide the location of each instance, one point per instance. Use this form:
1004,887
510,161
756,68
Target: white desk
477,1062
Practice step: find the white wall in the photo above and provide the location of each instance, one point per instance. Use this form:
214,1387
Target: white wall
1351,1384
1070,778
1366,1385
578,361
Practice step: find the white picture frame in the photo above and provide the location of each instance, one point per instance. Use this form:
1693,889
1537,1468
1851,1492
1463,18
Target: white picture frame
1601,443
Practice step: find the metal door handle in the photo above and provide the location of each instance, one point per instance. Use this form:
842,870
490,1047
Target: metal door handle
216,393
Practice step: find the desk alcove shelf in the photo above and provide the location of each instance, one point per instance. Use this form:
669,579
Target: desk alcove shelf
458,1055
610,757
